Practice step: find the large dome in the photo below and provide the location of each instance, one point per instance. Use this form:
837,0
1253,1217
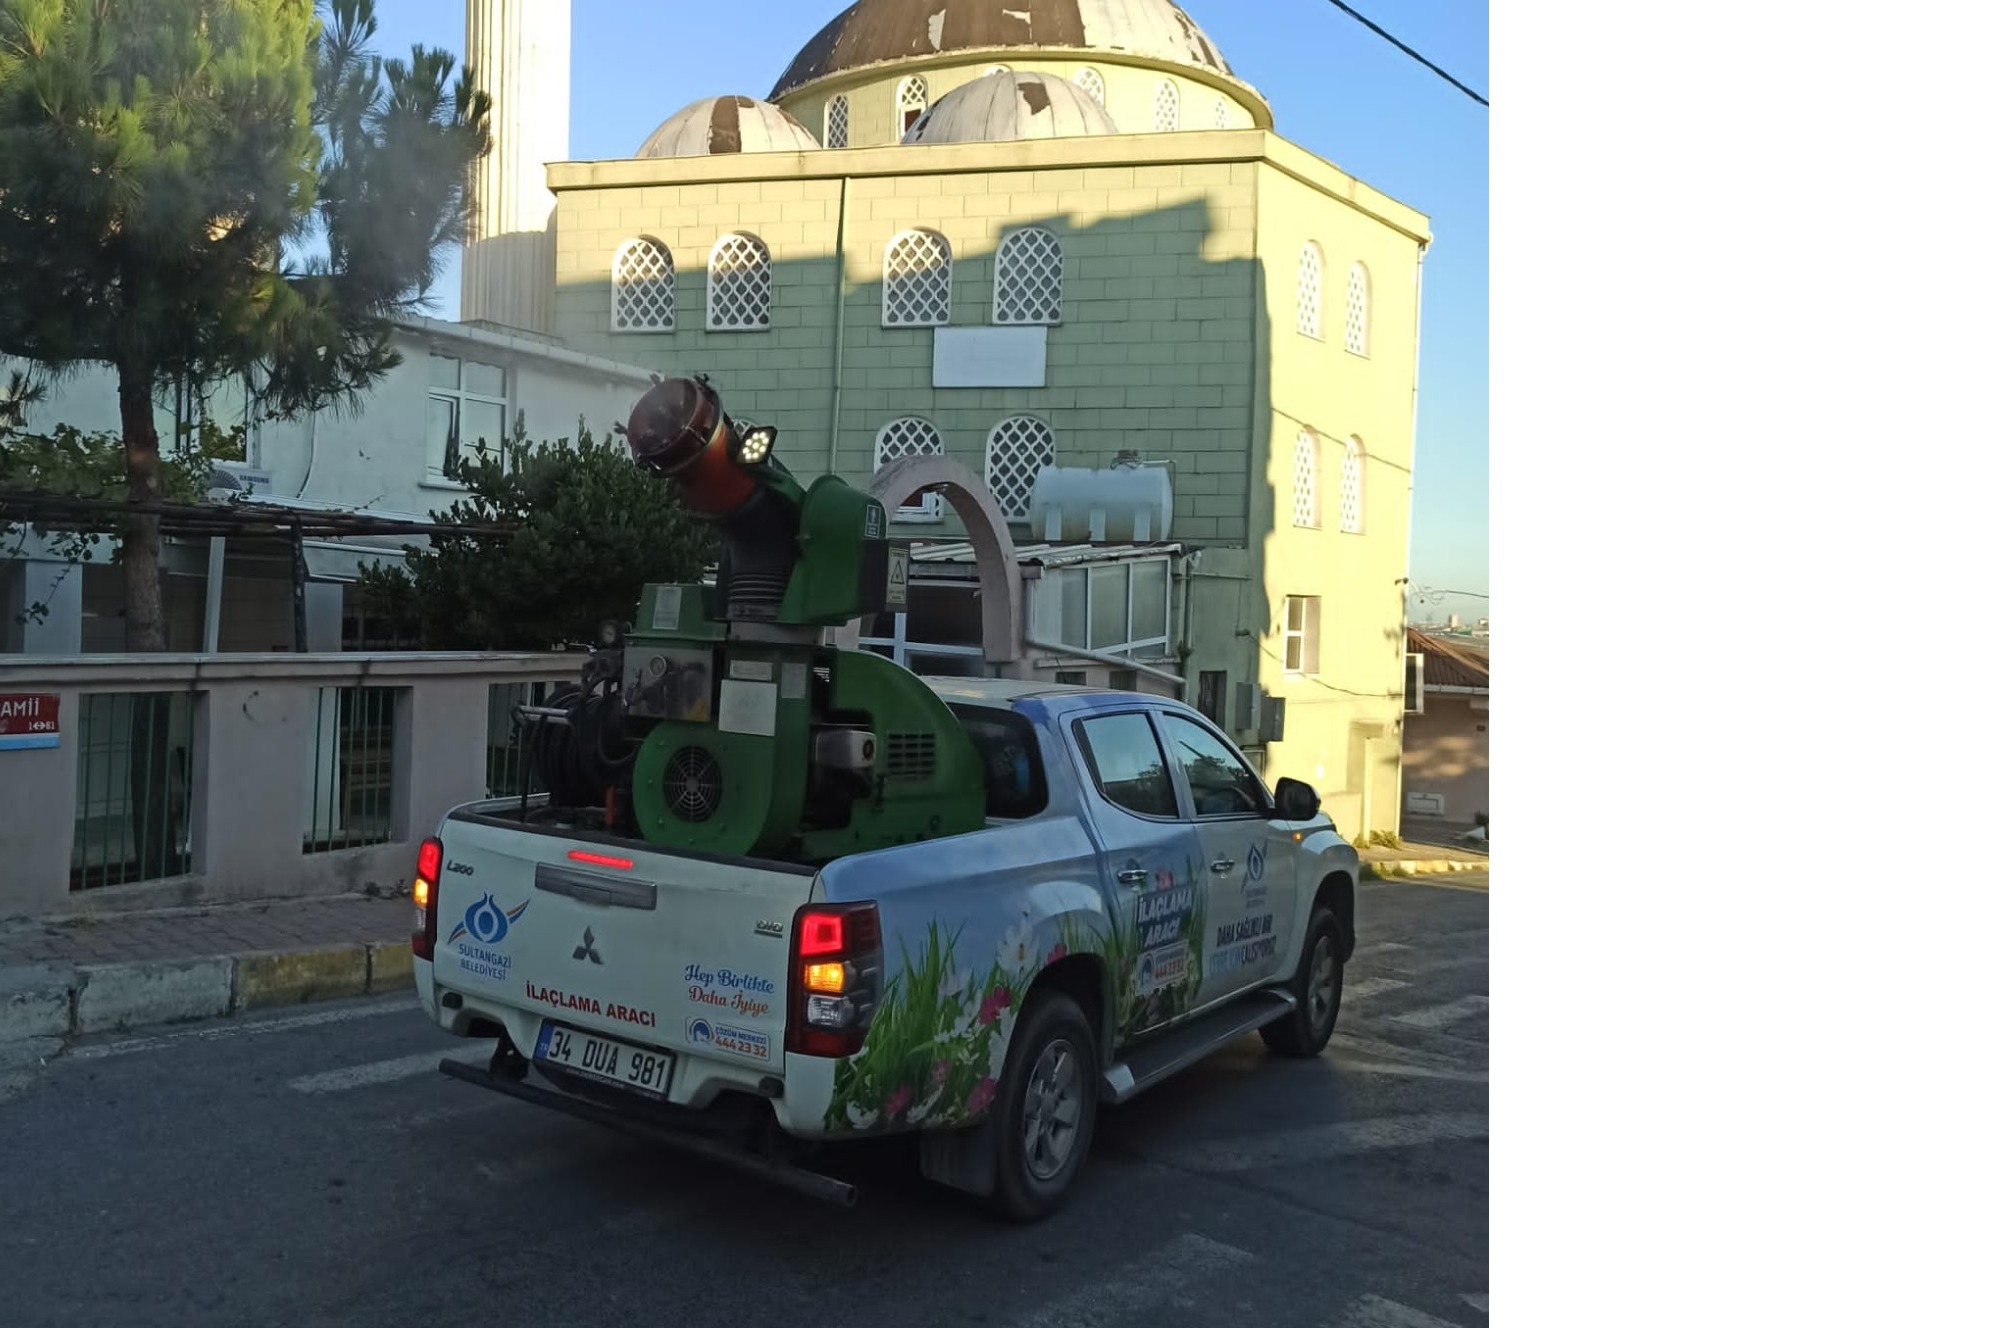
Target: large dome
717,125
873,32
1006,105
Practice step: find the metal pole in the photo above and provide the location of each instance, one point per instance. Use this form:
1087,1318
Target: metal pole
211,611
298,589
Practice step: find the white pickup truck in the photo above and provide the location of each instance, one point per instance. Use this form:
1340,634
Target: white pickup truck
1137,899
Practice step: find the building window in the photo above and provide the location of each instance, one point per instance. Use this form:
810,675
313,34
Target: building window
1312,281
1351,466
1028,278
1357,309
836,122
739,285
1072,678
910,437
1092,84
1221,113
642,287
1166,108
468,414
913,98
1302,634
1113,609
1016,451
1305,480
916,281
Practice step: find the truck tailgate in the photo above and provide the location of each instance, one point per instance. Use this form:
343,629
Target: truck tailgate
645,945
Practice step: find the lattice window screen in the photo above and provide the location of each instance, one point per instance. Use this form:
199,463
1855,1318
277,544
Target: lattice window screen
1028,278
836,122
1305,479
916,281
1092,84
642,287
1016,451
1166,108
1357,309
1312,273
739,285
1350,487
910,437
1221,114
913,98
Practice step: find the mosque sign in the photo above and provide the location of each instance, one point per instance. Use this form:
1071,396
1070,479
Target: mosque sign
29,720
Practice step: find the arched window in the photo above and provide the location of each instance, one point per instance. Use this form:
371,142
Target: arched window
739,285
1092,84
1312,279
1166,107
1016,451
642,287
1305,479
1357,309
1028,278
1221,113
916,281
913,98
1351,467
910,437
836,122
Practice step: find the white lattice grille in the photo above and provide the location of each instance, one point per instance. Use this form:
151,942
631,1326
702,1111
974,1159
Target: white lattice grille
1092,84
910,437
739,285
1221,114
1166,108
1028,278
1312,274
1357,309
836,123
1305,479
1016,451
642,287
1350,487
916,281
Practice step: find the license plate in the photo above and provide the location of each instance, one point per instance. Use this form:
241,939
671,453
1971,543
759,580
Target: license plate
604,1059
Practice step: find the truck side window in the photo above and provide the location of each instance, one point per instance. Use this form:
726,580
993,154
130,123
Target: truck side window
1015,784
1125,759
1221,784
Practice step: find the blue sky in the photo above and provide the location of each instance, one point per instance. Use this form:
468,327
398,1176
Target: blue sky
1336,89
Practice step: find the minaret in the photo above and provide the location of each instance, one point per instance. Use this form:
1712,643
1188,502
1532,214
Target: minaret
519,53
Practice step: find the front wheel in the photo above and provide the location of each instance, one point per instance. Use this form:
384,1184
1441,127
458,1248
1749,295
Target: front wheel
1047,1108
1316,986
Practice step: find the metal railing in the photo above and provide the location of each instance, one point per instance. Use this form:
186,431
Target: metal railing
134,791
506,736
353,768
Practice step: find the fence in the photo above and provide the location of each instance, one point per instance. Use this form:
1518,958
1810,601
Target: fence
187,779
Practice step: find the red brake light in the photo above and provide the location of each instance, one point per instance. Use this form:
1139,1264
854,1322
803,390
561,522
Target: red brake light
430,860
822,933
599,859
836,978
424,891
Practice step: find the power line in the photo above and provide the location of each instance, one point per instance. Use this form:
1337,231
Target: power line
1376,28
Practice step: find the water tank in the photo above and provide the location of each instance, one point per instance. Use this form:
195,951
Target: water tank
1122,505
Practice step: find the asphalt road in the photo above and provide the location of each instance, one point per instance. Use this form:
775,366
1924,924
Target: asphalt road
314,1169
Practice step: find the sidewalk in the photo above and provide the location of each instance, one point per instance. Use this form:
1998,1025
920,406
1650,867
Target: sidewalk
1421,859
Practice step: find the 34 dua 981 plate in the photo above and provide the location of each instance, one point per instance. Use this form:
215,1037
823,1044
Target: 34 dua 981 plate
604,1059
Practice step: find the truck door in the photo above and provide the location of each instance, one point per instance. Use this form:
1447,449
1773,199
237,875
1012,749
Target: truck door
1149,857
1249,864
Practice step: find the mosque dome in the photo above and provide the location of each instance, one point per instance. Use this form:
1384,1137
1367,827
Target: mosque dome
717,125
1006,105
874,32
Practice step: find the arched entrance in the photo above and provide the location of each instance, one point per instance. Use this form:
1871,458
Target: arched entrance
985,529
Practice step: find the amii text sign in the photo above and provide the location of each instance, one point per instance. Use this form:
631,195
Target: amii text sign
29,719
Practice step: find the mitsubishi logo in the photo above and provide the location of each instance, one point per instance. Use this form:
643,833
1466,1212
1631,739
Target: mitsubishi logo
588,950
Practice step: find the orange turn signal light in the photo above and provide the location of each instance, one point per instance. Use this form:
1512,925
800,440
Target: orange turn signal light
421,892
826,977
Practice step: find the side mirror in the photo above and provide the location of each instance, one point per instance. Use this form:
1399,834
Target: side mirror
1296,800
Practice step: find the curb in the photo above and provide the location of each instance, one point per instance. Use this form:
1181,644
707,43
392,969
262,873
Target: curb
38,1002
1378,871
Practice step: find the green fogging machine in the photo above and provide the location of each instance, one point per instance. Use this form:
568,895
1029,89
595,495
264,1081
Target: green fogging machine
720,720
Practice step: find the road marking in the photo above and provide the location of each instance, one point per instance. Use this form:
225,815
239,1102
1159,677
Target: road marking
1375,1312
1321,1143
384,1072
242,1028
1437,1016
1146,1284
1366,987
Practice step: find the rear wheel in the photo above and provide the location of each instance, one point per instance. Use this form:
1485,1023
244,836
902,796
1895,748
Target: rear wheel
1316,986
1047,1108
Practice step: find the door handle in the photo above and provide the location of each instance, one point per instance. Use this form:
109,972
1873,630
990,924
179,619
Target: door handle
1132,876
1222,866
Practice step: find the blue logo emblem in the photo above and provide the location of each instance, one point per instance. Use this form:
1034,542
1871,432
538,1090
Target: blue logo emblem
1253,869
486,922
699,1032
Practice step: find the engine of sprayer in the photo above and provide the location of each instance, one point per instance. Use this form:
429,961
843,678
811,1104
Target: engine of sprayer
719,720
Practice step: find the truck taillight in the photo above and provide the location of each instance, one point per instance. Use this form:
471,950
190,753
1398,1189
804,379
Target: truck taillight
836,978
423,892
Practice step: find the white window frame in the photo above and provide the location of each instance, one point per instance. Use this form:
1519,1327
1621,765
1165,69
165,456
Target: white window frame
1166,107
912,235
1306,509
756,277
1132,647
1305,631
901,647
1413,683
1027,493
1009,258
1354,482
1360,298
1312,292
619,258
837,113
929,507
1092,84
1221,113
460,397
913,94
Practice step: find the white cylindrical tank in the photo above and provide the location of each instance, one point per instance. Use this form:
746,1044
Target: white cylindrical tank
1121,505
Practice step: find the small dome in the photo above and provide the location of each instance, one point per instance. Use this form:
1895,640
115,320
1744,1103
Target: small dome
716,125
1007,105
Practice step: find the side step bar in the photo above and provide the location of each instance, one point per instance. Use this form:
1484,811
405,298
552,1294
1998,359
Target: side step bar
809,1183
1175,1051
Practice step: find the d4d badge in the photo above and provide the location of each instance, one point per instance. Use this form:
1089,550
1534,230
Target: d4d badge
588,950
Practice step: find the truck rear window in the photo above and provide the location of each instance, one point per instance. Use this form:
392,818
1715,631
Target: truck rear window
1016,786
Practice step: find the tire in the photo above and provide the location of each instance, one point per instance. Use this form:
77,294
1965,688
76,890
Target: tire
1305,1030
1047,1108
